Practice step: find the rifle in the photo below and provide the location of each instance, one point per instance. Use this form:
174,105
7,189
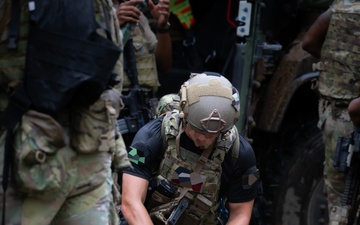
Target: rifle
347,160
137,99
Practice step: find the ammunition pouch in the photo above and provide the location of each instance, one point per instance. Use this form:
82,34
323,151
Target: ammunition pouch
37,142
164,193
147,72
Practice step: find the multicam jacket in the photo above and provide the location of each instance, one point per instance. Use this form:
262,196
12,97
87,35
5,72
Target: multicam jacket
340,78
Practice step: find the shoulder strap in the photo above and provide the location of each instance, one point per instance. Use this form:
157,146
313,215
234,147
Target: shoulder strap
235,149
163,135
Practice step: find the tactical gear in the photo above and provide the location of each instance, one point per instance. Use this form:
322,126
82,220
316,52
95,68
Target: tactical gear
202,185
144,45
340,78
167,103
93,128
209,102
44,165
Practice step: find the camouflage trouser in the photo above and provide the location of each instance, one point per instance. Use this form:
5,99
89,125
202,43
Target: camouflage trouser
84,196
334,121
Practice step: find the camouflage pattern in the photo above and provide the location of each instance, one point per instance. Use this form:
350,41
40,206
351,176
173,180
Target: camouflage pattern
339,83
346,6
334,122
340,78
167,103
93,127
116,35
76,189
205,183
53,181
144,41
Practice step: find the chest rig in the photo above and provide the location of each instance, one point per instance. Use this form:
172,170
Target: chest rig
196,177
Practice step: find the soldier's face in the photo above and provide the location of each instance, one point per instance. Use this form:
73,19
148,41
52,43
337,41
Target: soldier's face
201,139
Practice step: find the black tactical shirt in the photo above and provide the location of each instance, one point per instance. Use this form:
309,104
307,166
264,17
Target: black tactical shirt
239,182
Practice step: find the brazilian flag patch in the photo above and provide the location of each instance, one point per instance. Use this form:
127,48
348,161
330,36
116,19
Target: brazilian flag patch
135,156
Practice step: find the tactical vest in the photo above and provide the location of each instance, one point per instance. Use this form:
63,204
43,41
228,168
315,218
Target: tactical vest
144,42
179,168
340,78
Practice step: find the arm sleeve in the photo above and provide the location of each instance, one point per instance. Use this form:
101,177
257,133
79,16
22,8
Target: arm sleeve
149,35
240,181
145,150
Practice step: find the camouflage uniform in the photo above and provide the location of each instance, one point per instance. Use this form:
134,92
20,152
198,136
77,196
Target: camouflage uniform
144,41
62,170
167,103
338,85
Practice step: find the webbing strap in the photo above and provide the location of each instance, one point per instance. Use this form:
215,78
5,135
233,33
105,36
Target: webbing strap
14,25
203,158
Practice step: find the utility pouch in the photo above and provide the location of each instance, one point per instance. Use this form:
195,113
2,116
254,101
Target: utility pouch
37,167
159,215
197,211
191,217
93,128
164,192
147,73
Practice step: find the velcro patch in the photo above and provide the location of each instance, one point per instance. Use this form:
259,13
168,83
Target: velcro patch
249,179
136,156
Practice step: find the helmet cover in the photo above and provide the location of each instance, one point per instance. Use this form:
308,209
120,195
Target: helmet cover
209,102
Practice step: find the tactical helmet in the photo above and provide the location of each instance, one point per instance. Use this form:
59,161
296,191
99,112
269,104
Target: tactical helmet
209,102
166,103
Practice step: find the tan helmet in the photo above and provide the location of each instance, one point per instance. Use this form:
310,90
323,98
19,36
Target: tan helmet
209,102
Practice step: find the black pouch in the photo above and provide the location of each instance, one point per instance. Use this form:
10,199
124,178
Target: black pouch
67,60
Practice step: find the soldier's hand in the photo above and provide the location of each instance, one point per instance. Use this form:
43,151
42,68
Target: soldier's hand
127,12
160,12
354,111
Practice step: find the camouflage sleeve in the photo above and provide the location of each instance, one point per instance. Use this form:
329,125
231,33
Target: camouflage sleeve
149,35
120,160
116,34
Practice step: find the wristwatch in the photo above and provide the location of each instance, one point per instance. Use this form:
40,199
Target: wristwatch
163,30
